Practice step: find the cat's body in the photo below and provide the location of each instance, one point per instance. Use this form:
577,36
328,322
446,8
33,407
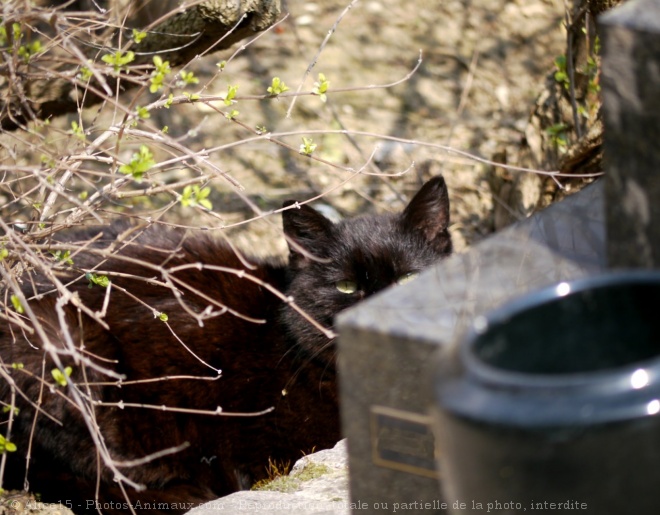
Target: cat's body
283,363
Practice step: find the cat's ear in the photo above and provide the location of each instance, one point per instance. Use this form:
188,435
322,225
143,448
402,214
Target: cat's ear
428,214
307,233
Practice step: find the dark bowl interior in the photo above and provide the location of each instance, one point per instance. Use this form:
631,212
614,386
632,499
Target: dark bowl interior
591,329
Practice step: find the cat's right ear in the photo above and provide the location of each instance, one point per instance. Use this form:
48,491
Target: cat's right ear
307,233
428,214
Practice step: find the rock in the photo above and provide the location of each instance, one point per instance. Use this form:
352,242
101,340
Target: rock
318,483
22,503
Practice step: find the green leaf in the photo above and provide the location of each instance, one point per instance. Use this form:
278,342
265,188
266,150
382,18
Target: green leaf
188,77
558,136
18,307
62,256
232,114
6,445
61,378
162,69
99,280
277,87
193,195
159,63
143,112
186,196
4,253
16,31
155,83
29,49
308,146
77,130
321,87
561,75
138,36
230,95
163,317
119,59
85,73
140,164
560,62
201,193
557,128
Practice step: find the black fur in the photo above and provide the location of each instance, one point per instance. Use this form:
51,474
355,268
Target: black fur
281,361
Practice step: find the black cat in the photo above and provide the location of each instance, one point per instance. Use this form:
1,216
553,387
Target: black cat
222,314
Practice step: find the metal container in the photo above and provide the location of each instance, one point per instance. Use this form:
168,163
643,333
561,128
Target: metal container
553,402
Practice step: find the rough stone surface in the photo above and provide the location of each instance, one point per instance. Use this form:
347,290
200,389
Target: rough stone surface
631,106
318,483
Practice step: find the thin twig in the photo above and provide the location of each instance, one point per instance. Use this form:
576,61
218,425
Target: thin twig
311,65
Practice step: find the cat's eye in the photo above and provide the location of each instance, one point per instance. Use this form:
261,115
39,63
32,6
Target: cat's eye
346,286
407,278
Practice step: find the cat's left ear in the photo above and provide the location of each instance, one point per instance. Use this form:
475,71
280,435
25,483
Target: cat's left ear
428,214
307,232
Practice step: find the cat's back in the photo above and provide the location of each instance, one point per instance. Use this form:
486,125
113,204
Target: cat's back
137,288
158,249
169,265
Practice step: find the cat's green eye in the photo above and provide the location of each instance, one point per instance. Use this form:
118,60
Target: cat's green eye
407,278
346,286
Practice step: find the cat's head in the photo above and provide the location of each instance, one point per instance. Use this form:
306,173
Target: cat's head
335,265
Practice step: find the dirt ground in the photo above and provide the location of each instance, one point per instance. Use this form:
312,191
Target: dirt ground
483,64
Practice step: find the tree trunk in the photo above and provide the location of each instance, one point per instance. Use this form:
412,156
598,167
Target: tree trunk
45,84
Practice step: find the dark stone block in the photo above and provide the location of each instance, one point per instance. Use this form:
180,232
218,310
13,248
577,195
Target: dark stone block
631,107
